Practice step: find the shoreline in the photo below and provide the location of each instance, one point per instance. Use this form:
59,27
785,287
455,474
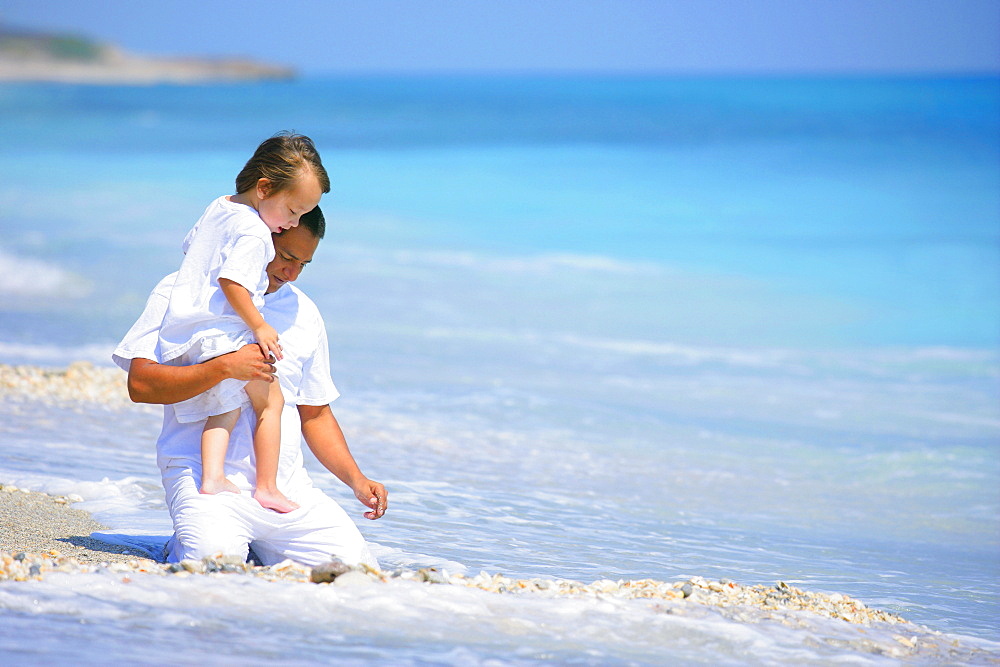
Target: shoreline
124,69
42,534
78,382
50,540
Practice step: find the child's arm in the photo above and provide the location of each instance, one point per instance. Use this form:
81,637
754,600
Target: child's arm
239,299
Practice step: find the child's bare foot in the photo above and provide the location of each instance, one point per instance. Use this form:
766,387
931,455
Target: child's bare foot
213,486
274,500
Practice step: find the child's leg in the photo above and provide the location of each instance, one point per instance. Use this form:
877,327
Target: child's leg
268,404
214,443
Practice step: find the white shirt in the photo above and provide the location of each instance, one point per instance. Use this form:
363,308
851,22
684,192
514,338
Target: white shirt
228,241
303,374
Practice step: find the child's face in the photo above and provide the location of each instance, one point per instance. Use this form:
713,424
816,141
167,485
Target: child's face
282,210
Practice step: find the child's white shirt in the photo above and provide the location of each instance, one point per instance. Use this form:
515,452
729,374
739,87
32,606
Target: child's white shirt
228,241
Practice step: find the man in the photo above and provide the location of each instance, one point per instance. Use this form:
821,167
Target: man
227,522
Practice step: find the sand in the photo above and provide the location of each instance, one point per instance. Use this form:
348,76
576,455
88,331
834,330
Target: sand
120,68
39,523
79,383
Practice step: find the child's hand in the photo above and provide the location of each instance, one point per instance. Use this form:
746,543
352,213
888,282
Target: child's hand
267,338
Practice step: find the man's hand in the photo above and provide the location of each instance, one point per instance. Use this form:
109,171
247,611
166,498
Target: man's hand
247,363
372,495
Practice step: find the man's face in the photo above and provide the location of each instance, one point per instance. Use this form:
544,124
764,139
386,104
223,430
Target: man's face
293,249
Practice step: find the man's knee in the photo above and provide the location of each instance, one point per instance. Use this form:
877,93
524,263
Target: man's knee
195,545
340,540
207,525
318,549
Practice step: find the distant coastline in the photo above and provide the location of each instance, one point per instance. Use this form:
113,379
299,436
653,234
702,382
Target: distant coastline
56,58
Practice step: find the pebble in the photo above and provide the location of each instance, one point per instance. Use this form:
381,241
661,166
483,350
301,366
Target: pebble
327,572
432,575
747,604
781,597
79,382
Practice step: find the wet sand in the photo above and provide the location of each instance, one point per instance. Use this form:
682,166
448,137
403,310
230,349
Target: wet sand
39,523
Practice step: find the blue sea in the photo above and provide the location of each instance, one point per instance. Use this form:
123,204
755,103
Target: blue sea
584,328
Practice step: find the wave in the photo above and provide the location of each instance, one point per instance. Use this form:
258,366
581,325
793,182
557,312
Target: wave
32,278
55,355
977,362
526,264
679,354
684,354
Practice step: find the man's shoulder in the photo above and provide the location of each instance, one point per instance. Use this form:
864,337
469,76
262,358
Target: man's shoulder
307,306
292,299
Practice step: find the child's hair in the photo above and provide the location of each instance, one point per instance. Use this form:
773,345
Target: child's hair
315,222
280,160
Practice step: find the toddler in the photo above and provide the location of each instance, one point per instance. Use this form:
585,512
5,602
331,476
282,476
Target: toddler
214,307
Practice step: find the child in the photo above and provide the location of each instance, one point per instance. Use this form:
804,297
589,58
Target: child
214,306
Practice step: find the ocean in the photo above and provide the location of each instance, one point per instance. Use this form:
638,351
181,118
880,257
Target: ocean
583,328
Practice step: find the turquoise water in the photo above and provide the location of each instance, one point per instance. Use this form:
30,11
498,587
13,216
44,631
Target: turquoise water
838,212
583,328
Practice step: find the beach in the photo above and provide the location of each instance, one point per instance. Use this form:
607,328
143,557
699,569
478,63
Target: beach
628,335
27,56
38,523
46,532
124,69
44,538
48,524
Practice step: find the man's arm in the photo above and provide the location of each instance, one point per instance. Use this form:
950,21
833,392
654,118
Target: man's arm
152,382
326,440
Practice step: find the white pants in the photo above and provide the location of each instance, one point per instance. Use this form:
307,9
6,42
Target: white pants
318,531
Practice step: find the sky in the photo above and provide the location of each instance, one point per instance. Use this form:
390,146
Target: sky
536,36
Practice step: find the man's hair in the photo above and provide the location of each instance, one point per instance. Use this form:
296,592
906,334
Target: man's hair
281,160
314,222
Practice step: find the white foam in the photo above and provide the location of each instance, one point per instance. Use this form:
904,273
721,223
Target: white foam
682,354
131,502
390,558
407,622
926,361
